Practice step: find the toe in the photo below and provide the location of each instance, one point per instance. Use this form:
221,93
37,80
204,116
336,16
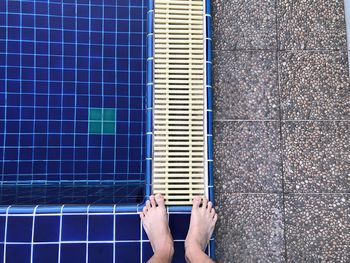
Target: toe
142,215
160,200
210,205
205,202
145,210
215,218
196,201
212,211
148,204
153,201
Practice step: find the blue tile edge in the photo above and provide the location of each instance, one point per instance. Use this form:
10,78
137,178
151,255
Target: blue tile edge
208,41
149,99
83,209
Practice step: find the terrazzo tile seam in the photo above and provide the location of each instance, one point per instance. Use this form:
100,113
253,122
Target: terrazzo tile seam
254,193
312,51
244,120
246,50
287,193
280,50
313,193
280,116
316,120
283,120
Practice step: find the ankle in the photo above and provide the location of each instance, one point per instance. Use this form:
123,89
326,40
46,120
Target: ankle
192,251
166,249
170,250
164,254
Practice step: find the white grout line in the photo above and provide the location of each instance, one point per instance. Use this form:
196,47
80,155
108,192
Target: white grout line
141,242
5,234
114,219
87,235
32,242
60,235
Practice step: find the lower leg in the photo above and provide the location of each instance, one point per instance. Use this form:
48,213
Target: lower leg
197,255
203,219
161,257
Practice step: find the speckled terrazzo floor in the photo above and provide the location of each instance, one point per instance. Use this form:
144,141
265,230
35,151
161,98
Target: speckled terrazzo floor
282,131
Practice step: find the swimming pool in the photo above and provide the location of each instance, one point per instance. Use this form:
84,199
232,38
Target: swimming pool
72,99
75,158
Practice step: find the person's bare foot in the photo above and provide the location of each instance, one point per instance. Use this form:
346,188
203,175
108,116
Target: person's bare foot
155,222
203,219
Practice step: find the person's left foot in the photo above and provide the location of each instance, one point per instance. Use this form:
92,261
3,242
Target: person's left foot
155,222
203,219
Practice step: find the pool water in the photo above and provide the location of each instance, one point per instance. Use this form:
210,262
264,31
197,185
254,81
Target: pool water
72,101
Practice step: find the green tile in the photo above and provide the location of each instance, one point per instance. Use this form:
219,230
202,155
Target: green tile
109,127
95,127
95,114
102,121
109,114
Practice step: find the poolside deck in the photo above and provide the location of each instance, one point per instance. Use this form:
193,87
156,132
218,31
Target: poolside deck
282,131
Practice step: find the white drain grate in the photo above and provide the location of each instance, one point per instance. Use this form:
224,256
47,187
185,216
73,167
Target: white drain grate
179,139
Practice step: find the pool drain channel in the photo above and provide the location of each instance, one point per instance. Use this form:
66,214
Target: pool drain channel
179,119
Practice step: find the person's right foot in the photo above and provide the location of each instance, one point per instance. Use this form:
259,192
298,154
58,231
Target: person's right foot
203,219
155,222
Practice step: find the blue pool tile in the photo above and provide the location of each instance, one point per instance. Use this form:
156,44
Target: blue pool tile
210,179
144,235
179,252
45,253
179,224
127,252
147,251
73,253
18,253
19,229
207,250
2,228
74,227
14,7
46,229
1,253
100,252
101,227
49,99
127,227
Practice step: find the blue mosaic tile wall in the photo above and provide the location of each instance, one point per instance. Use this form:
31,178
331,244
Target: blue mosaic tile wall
58,61
66,235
